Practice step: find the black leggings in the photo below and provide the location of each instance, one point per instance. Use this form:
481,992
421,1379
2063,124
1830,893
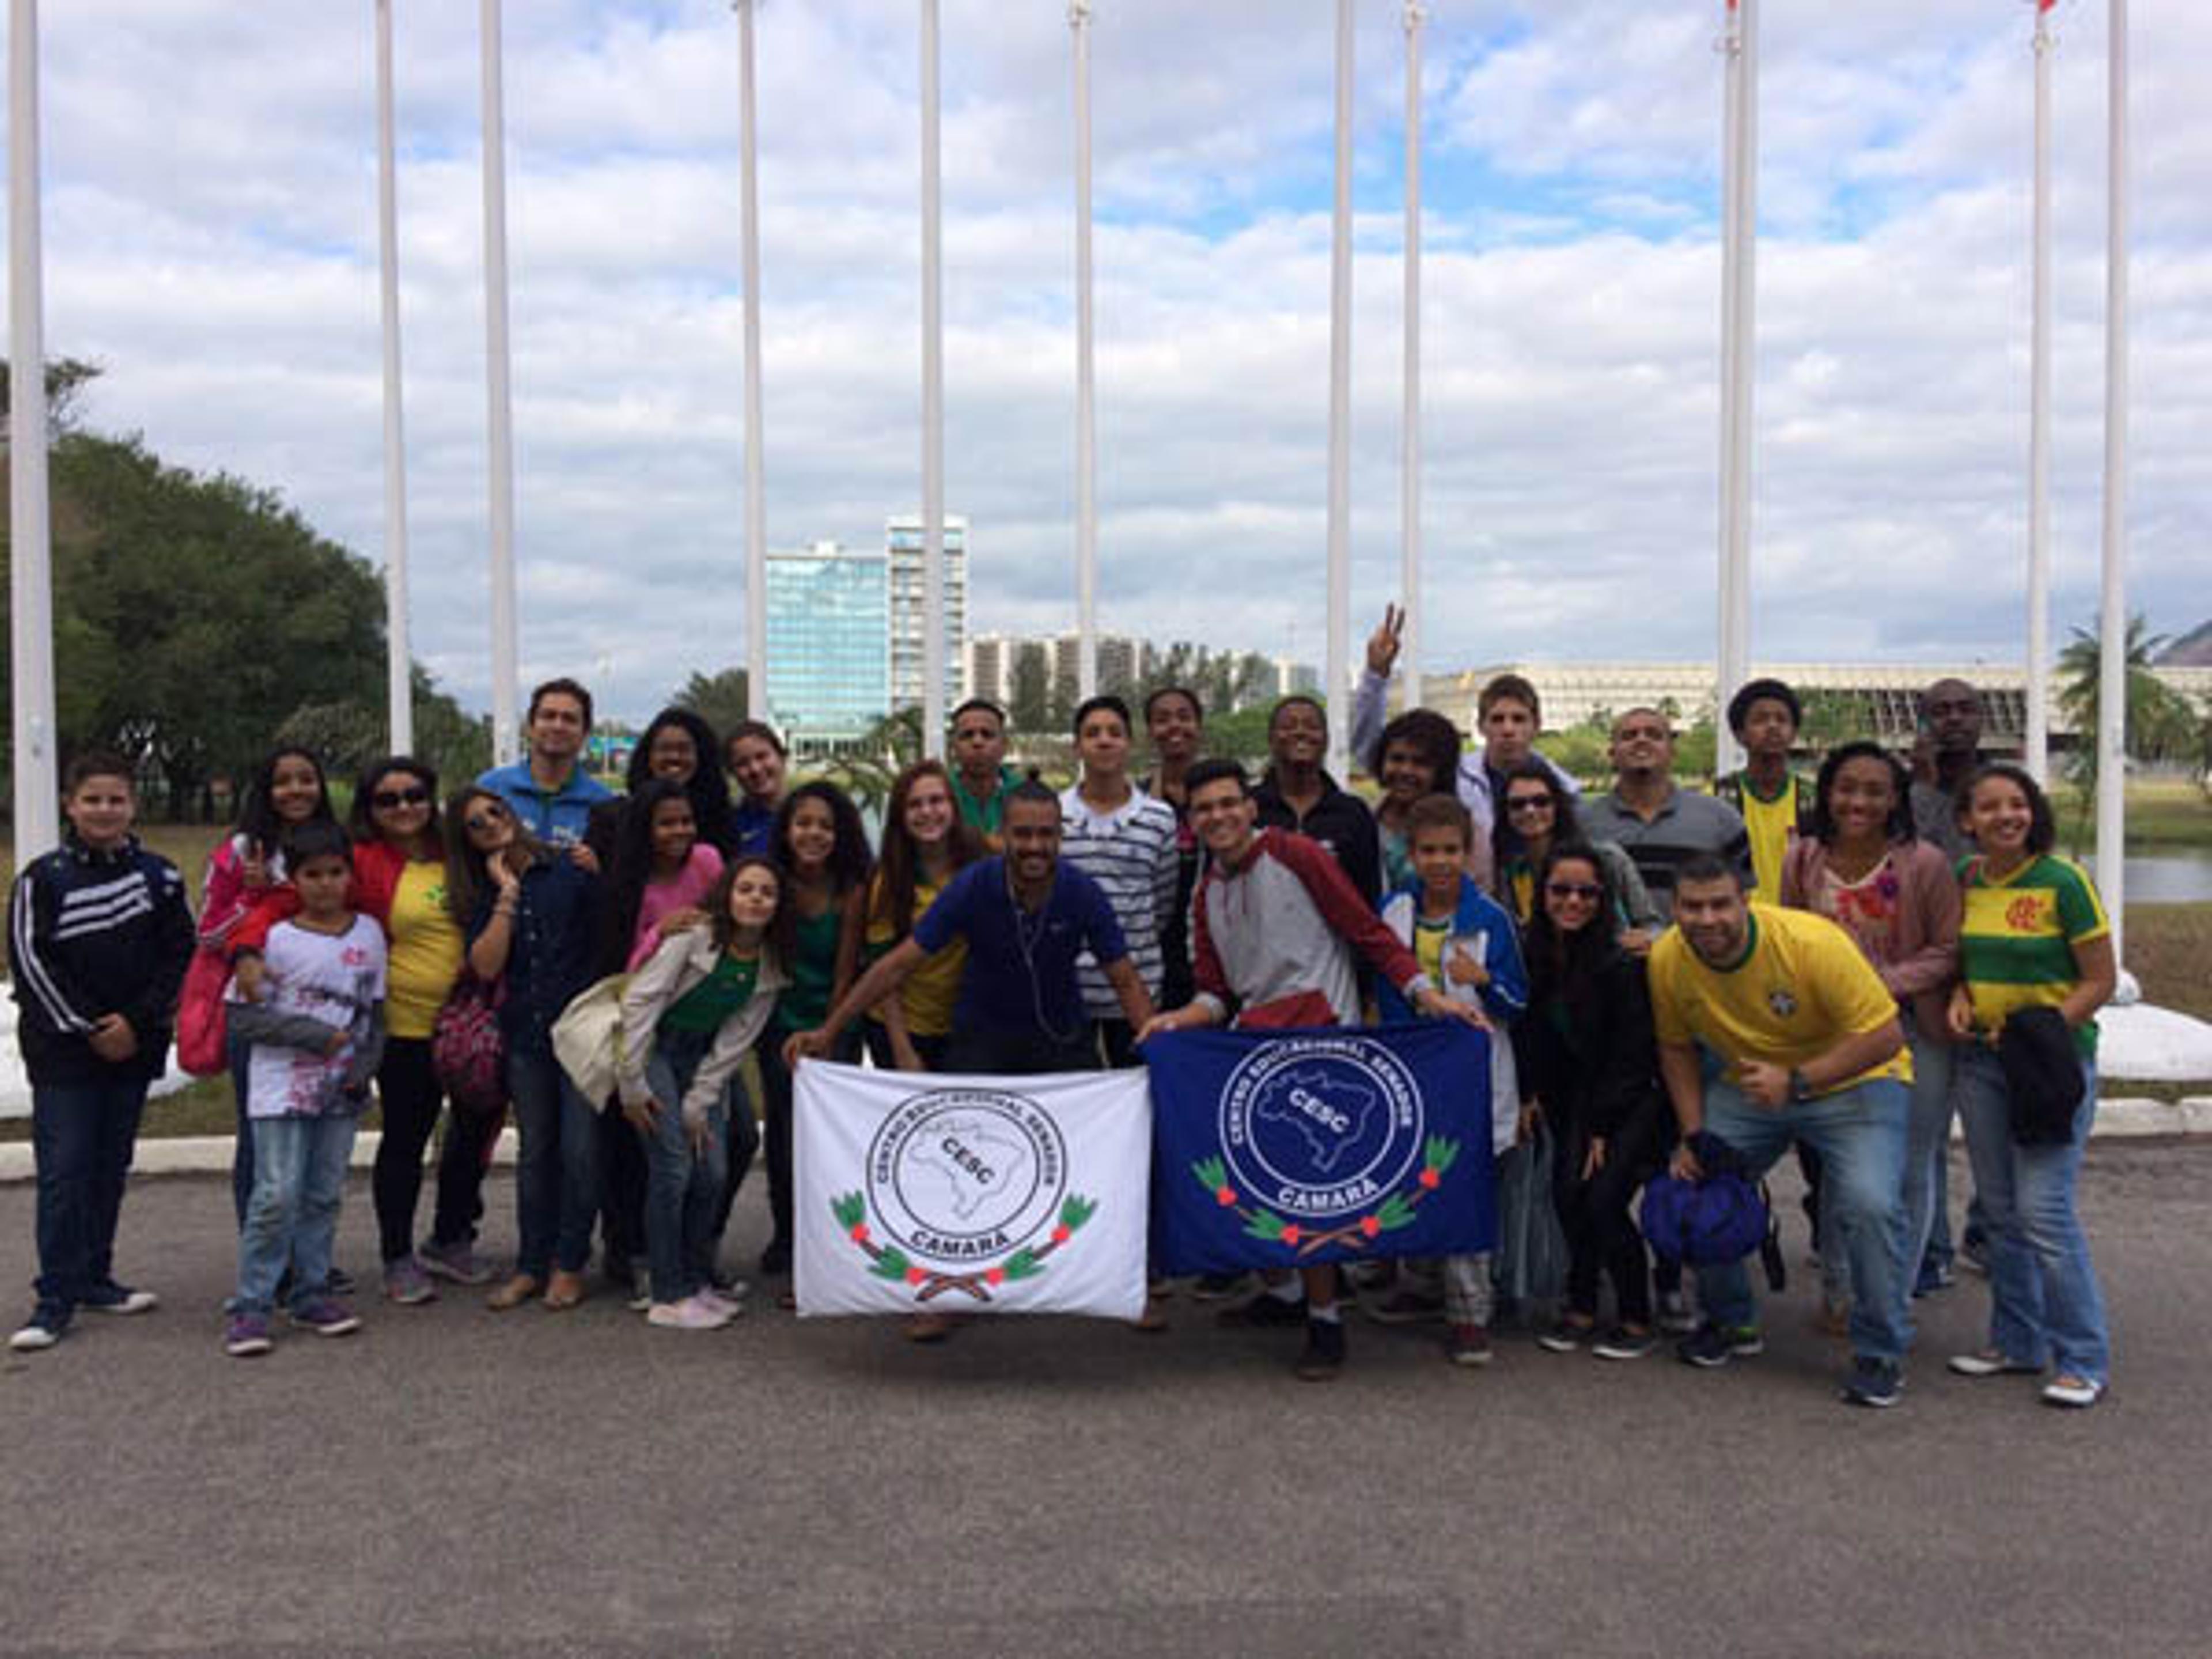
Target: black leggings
1601,1236
407,1086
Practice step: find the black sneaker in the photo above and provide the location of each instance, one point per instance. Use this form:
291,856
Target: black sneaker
1621,1343
1565,1335
42,1329
113,1298
1874,1383
1710,1346
1324,1356
1264,1311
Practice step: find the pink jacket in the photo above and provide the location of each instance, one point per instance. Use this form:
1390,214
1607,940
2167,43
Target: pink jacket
1929,909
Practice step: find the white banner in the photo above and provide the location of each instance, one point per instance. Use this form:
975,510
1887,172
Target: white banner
927,1194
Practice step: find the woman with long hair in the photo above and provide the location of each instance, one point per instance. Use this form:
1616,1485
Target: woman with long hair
677,746
821,848
531,919
925,844
2035,948
286,790
1590,1064
690,1012
1859,864
759,762
1534,815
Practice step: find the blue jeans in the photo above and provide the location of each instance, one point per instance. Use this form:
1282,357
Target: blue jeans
1859,1134
2045,1302
82,1137
299,1181
1927,1149
556,1190
683,1186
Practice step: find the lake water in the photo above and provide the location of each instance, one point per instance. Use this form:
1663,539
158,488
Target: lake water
2178,877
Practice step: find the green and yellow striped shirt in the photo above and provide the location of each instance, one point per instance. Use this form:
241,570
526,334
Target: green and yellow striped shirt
2016,943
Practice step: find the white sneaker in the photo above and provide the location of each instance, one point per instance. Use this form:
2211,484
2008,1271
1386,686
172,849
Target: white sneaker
33,1337
120,1299
2074,1393
728,1300
689,1315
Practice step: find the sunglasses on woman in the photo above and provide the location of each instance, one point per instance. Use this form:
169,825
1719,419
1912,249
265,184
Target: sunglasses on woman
490,817
1518,804
385,799
1588,892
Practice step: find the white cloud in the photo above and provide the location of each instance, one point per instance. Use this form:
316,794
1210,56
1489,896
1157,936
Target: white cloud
210,237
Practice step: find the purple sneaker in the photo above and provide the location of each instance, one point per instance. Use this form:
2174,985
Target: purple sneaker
456,1261
325,1318
247,1335
406,1283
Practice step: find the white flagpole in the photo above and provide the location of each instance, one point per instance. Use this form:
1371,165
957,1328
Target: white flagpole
400,689
1740,211
1339,655
506,672
1086,429
1409,532
2039,440
756,502
2112,679
30,526
932,402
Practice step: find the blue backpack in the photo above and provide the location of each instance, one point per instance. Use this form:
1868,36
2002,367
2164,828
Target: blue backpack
1708,1223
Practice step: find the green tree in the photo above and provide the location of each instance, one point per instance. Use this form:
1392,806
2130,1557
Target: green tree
718,699
867,774
2160,724
1032,689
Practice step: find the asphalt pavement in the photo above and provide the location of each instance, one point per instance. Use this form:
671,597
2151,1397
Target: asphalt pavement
454,1481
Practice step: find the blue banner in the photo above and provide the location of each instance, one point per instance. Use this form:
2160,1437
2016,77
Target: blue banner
1290,1148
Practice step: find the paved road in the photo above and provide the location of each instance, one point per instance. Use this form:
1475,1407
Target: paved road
457,1482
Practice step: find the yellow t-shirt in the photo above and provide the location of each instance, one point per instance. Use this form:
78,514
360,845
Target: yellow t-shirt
425,950
1800,987
931,990
1770,824
1430,938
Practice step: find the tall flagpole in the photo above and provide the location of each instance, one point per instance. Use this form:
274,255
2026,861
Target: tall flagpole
1738,287
1086,429
932,402
399,652
1338,653
756,502
506,671
2039,422
2112,663
30,526
1409,532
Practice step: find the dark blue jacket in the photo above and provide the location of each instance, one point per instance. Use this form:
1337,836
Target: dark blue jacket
92,933
554,954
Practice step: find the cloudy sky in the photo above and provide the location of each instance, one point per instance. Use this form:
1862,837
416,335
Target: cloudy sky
211,238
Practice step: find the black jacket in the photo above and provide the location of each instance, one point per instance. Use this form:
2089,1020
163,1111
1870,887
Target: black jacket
1595,1065
92,933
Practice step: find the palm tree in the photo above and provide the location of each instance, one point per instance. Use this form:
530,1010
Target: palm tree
2161,724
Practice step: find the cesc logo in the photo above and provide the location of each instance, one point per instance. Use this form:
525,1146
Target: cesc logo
958,1177
1320,1127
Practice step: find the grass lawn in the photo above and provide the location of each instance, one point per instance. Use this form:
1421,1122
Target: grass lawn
2163,813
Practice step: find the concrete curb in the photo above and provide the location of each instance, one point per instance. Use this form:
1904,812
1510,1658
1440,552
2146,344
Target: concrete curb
210,1154
2118,1117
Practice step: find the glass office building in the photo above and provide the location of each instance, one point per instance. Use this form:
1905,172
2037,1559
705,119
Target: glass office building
829,632
903,545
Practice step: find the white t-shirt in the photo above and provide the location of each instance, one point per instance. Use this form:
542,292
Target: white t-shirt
335,978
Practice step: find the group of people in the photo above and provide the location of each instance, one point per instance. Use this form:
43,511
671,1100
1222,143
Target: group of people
1671,980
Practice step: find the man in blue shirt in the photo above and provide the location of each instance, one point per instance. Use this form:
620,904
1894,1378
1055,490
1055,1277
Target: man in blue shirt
551,794
1026,916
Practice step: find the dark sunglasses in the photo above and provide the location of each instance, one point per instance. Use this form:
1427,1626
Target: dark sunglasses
388,799
490,818
1528,803
1579,889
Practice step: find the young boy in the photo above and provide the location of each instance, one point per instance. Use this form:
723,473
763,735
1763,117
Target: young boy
315,1036
101,936
1466,943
